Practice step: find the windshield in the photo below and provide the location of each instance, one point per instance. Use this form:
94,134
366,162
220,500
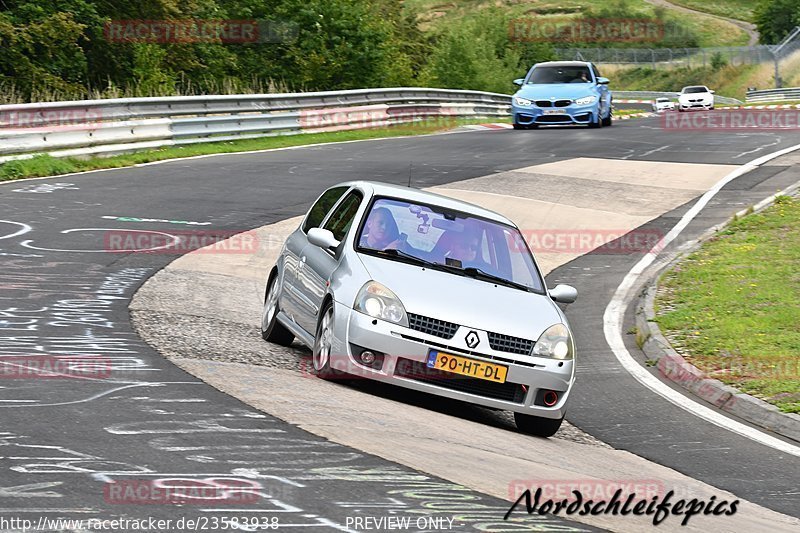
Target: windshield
691,90
457,242
577,74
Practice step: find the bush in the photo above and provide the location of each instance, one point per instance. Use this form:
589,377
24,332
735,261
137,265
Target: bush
718,61
477,53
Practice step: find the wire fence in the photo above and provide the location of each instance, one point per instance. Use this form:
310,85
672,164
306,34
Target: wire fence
668,57
778,54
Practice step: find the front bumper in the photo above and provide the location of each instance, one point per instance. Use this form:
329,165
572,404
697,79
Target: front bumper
572,114
405,352
696,105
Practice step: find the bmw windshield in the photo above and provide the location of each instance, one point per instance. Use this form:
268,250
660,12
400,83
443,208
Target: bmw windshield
543,75
452,241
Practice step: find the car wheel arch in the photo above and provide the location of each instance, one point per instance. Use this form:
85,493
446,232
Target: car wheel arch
273,274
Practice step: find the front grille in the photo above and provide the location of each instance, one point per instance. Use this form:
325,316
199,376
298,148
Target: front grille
555,119
563,103
417,371
544,103
432,326
506,343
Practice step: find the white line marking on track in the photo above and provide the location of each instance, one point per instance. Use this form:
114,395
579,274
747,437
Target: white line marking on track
24,229
615,311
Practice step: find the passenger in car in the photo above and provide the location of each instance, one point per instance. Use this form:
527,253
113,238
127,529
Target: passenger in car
381,231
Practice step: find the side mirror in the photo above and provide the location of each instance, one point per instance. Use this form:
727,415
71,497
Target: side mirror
603,81
519,81
712,92
322,238
564,294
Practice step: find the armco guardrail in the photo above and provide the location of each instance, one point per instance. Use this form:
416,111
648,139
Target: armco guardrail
122,125
774,95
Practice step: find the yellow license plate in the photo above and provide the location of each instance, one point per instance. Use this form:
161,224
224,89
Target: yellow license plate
467,367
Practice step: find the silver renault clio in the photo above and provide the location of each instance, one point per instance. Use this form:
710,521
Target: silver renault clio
426,292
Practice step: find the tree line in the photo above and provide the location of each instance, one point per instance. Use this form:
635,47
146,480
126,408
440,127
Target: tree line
63,49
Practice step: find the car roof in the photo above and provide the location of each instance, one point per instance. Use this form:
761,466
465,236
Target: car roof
563,64
694,86
377,188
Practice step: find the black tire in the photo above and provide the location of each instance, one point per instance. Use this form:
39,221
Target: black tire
537,426
272,330
597,123
608,121
519,126
320,353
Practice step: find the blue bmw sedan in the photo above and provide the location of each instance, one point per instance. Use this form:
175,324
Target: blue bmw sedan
562,92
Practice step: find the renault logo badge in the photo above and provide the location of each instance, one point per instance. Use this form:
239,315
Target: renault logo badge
472,339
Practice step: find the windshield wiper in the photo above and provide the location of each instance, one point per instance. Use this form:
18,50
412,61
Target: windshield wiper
391,252
472,272
482,274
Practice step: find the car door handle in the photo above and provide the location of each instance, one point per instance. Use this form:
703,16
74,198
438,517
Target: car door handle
302,263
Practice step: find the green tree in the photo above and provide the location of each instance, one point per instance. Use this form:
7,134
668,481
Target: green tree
776,18
477,53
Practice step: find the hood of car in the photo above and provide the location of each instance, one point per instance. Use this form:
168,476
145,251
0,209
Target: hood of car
695,96
464,300
557,91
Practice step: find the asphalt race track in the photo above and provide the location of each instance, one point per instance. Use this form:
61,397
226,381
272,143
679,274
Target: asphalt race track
65,441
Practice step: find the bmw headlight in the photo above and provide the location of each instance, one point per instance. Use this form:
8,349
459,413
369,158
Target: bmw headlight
522,101
556,342
586,100
377,301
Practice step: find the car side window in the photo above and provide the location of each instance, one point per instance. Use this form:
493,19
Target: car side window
596,72
342,217
322,206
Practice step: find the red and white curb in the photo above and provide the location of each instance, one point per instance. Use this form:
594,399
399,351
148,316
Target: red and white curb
495,126
784,106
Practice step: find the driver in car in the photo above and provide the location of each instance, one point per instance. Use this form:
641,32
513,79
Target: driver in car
466,249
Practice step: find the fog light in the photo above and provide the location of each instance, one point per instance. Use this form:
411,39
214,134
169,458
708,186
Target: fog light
550,398
367,357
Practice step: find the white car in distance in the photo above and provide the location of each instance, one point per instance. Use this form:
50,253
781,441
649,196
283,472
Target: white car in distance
695,97
663,104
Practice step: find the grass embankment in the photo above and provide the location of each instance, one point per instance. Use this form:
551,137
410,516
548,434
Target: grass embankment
732,308
710,31
734,9
45,165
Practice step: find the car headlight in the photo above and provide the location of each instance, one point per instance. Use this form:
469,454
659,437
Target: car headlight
522,101
377,301
556,342
586,100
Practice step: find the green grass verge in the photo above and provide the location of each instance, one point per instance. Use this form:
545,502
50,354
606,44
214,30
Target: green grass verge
734,9
732,308
45,165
